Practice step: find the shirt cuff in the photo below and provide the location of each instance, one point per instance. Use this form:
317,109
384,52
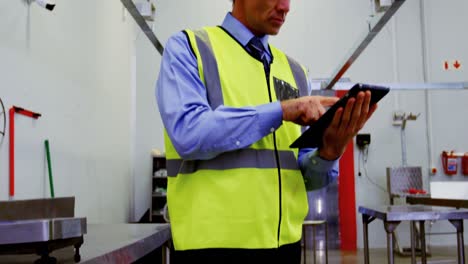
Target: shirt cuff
313,161
317,172
270,117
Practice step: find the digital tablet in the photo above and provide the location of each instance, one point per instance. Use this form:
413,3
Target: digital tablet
312,137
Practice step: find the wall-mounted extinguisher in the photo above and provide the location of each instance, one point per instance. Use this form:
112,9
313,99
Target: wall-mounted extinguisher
449,162
465,164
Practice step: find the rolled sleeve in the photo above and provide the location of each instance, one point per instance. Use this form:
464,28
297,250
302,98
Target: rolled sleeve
317,172
270,117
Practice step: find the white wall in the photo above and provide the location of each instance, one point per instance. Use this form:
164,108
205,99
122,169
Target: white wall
72,66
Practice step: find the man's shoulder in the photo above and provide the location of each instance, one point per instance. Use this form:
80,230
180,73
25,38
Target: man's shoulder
202,29
177,37
182,37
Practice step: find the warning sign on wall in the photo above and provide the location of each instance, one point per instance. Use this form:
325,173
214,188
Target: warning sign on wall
452,65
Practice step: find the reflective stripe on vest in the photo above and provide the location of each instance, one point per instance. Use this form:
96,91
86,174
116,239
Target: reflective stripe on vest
244,158
299,76
210,68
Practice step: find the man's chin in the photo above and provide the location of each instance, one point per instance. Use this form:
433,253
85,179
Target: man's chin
273,31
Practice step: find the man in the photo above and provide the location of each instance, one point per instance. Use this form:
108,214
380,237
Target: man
231,105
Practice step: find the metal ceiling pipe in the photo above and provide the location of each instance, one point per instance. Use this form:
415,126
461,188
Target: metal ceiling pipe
364,41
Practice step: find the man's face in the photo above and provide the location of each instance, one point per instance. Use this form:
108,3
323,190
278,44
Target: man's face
262,16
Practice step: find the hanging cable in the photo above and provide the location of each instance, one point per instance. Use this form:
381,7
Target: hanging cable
2,116
364,153
359,163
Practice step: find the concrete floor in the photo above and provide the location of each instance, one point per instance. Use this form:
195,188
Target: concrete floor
440,255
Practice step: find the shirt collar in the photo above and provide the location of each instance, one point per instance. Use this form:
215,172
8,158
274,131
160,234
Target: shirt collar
240,32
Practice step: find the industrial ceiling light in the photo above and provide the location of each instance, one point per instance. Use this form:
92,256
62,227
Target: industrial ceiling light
381,5
47,4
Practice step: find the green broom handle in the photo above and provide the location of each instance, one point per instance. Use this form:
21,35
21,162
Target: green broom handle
51,180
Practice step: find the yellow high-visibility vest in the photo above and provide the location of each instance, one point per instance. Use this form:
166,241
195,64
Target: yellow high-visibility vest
249,198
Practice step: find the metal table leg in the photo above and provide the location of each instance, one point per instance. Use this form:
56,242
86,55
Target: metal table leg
413,242
422,235
326,243
165,253
313,242
389,228
304,237
458,224
366,219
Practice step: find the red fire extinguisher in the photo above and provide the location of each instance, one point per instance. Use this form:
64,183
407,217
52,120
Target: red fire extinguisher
449,162
465,164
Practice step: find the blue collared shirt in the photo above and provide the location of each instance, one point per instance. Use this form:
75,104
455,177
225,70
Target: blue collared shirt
199,132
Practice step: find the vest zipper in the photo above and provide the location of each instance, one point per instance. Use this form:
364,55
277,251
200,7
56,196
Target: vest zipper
267,75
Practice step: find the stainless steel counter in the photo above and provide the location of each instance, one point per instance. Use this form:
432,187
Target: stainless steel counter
41,230
393,215
413,212
108,243
457,203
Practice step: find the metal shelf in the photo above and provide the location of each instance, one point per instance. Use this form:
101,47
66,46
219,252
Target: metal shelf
159,193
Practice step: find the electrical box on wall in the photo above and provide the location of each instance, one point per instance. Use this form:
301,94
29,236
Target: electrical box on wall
363,140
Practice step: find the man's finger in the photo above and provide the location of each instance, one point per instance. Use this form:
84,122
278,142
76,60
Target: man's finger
328,101
321,110
371,111
364,111
336,119
346,118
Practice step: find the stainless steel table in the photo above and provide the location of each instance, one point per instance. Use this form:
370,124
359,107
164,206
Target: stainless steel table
109,243
457,203
392,216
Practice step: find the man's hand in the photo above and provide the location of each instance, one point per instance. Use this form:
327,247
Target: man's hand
345,125
307,109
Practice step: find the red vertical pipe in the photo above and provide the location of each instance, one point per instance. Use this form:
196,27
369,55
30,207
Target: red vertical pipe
347,200
12,151
347,197
13,110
